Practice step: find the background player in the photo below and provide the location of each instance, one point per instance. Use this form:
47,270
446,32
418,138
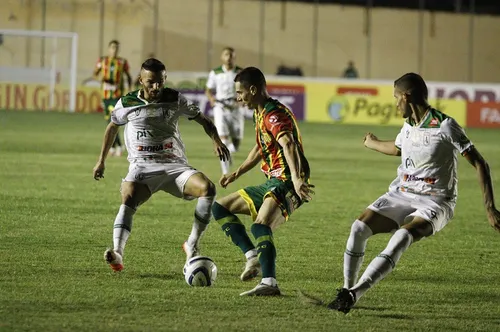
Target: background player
112,70
157,156
421,200
279,148
228,116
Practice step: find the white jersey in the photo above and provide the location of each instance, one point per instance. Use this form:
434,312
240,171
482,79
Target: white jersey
151,131
429,155
222,81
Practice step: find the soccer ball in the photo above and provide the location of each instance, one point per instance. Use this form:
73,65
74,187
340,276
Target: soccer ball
200,271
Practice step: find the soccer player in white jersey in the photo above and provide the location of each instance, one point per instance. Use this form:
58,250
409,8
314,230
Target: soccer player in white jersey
157,156
422,198
228,115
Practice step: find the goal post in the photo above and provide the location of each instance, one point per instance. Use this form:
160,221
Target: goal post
14,72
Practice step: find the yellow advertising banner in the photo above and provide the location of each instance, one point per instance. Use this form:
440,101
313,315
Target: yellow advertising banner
36,97
365,104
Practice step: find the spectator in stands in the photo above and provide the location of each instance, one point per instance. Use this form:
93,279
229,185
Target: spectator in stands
350,71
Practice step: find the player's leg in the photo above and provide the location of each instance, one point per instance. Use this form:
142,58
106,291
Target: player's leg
237,129
385,215
133,195
199,186
385,262
369,223
270,217
223,131
225,210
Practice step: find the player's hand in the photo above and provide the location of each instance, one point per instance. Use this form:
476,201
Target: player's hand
494,218
99,170
227,179
303,189
369,139
222,151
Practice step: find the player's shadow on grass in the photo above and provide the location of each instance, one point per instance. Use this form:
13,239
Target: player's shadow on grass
162,276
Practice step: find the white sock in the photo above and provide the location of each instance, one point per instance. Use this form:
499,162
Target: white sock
122,228
355,251
202,215
224,166
270,281
384,263
251,253
231,147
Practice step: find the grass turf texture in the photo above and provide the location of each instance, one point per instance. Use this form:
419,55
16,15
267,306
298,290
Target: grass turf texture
56,221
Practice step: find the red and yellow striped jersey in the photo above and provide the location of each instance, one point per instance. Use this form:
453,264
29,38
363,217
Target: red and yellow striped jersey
270,124
112,71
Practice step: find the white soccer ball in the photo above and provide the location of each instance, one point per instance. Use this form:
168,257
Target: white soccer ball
200,271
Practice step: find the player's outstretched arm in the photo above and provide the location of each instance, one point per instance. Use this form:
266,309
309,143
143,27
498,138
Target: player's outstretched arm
220,148
109,138
250,162
386,147
483,172
291,152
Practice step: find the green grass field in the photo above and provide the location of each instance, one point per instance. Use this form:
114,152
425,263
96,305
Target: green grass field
56,222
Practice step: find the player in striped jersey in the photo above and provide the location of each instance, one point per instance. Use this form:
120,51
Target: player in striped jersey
112,70
279,149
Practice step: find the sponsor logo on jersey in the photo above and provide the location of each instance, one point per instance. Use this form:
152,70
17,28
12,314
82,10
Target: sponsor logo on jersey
155,148
275,173
409,163
410,178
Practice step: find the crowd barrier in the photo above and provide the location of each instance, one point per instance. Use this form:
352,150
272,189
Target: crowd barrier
335,101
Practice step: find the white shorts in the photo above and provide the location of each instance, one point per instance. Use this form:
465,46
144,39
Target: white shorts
229,123
402,207
168,177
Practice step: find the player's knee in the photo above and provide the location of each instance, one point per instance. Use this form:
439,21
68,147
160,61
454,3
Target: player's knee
361,230
207,188
219,211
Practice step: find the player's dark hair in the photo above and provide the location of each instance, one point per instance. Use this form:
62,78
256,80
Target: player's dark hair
251,76
114,41
228,48
153,65
414,85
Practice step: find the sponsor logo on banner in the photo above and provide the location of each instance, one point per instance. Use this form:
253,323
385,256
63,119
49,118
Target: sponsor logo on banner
483,115
34,97
469,92
364,103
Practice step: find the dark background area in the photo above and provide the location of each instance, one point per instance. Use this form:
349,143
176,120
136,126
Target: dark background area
488,7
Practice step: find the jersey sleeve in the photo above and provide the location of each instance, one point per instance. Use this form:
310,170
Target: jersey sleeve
211,81
455,134
119,114
398,141
278,123
188,108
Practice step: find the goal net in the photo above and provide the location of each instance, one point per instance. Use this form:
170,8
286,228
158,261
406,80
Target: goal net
38,70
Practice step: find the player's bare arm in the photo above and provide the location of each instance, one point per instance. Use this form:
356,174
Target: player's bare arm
250,162
109,138
291,152
483,172
210,95
97,71
386,147
220,148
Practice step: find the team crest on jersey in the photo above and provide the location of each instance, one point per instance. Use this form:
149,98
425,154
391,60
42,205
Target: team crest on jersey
427,138
407,133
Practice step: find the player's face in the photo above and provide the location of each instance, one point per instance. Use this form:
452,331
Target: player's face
113,50
152,83
402,103
245,95
227,57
